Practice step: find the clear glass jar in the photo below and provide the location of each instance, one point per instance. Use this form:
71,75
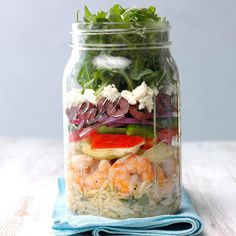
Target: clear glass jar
122,121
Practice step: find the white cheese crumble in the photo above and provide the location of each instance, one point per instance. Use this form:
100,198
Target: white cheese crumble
144,95
141,94
127,95
89,96
75,97
111,93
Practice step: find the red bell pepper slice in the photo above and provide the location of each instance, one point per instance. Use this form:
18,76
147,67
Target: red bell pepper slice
115,141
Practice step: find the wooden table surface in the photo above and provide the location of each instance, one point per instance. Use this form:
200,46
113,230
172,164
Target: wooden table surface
28,179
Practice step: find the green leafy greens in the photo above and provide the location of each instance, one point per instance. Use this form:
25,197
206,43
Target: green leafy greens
119,14
130,29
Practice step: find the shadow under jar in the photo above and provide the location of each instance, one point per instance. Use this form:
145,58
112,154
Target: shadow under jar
122,121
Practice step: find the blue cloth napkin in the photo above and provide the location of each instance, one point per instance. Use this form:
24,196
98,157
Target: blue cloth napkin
185,222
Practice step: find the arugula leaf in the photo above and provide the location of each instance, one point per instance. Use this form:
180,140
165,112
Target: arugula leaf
127,79
119,14
141,15
102,80
140,73
151,10
156,78
115,15
101,16
147,65
116,10
88,17
115,18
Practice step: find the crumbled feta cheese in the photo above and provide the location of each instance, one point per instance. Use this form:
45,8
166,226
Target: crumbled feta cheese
146,102
170,89
144,95
140,92
75,97
111,93
127,95
89,96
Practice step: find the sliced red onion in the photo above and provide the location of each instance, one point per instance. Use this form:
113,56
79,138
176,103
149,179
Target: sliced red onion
95,126
134,121
77,121
143,122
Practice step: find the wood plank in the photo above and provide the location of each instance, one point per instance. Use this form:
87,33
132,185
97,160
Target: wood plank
208,175
28,178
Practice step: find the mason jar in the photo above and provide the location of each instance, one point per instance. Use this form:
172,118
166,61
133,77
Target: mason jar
122,121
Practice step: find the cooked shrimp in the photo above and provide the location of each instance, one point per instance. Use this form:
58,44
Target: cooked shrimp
81,165
90,172
128,173
96,179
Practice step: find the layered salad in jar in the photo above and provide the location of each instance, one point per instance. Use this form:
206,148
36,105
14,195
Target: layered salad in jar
122,131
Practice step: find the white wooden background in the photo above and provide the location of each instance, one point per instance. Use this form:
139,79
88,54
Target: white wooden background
28,184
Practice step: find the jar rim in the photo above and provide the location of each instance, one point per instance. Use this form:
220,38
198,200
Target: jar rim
82,30
85,28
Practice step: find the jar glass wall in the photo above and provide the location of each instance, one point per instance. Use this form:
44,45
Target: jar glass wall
122,122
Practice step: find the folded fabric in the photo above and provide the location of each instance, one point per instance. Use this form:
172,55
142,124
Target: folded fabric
185,222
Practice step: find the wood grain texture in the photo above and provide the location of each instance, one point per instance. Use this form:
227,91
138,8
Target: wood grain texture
209,173
28,178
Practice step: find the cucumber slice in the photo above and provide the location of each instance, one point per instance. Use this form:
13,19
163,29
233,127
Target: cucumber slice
110,130
140,130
